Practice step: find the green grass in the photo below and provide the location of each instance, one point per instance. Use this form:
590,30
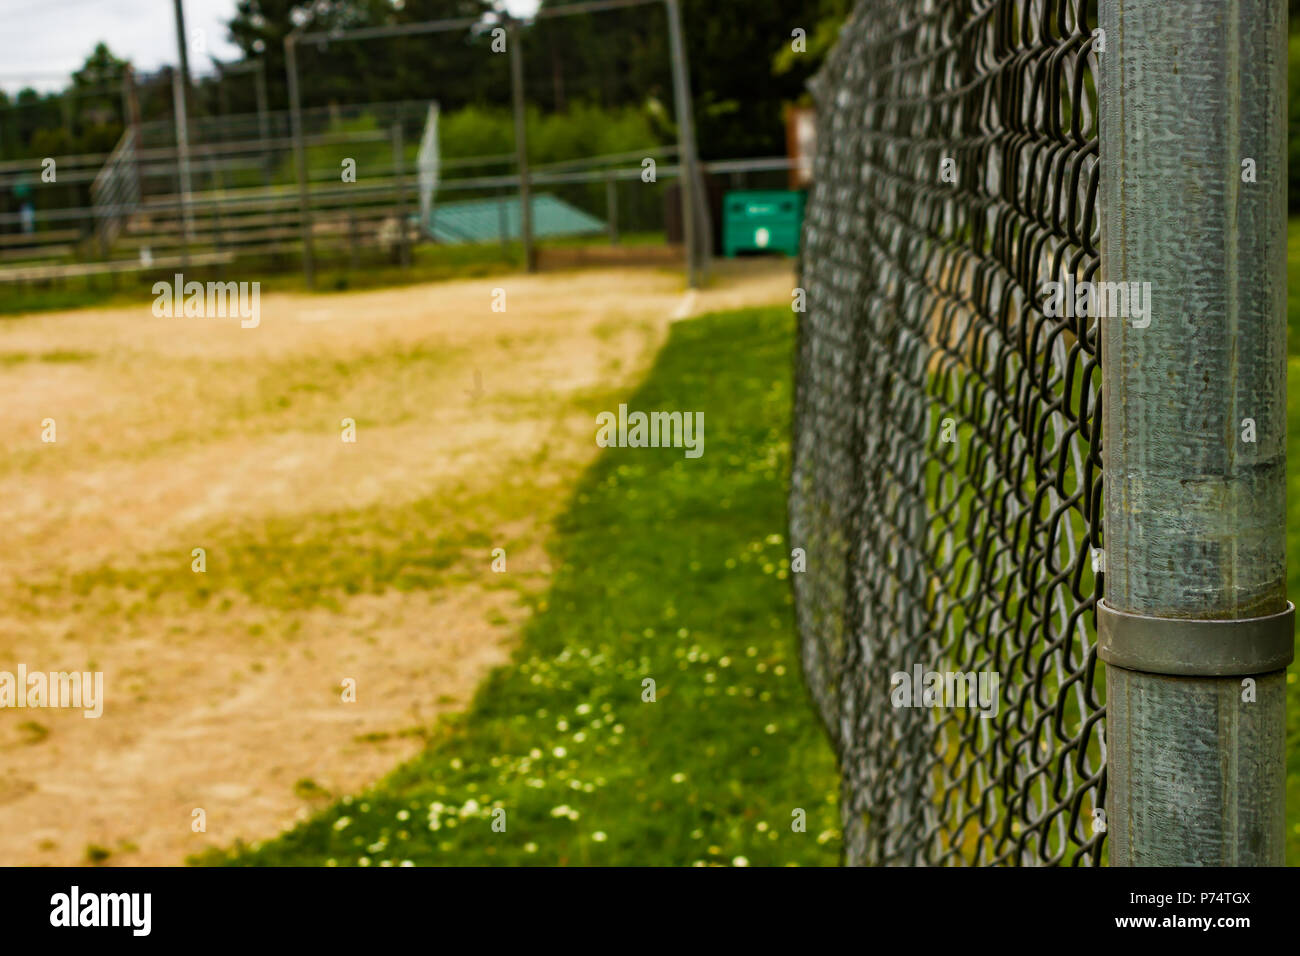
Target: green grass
669,569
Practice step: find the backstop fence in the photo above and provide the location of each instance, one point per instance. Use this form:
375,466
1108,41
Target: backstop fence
1011,198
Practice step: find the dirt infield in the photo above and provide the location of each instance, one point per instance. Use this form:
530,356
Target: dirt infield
326,560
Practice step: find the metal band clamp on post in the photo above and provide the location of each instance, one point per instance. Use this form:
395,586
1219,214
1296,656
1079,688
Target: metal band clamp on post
1195,648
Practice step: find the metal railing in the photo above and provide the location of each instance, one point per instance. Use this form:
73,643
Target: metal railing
244,199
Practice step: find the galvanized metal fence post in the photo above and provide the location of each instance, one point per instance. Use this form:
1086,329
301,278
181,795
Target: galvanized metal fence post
180,96
521,146
1195,628
688,157
399,183
611,208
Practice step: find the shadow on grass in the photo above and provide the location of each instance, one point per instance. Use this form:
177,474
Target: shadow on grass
670,570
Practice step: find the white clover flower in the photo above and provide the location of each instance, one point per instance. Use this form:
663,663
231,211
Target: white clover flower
342,823
740,861
599,836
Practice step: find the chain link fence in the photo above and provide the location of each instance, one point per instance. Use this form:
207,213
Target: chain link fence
946,486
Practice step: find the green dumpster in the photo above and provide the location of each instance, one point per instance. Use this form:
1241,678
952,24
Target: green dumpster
767,221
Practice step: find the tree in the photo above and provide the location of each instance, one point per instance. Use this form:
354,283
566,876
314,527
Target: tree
438,66
97,101
742,63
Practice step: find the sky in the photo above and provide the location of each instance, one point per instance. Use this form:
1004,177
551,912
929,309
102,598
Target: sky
42,41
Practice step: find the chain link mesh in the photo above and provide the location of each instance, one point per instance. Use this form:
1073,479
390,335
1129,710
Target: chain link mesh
946,486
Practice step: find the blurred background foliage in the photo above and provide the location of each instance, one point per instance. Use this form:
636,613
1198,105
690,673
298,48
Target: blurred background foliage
742,66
